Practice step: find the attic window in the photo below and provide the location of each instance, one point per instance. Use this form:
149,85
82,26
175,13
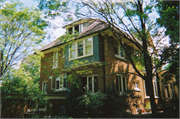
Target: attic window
70,30
75,29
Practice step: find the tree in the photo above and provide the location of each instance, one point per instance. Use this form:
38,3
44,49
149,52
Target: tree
21,29
132,20
169,12
20,86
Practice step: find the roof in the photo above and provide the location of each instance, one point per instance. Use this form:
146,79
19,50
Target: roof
96,26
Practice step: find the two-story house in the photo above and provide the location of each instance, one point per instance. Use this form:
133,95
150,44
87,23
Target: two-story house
101,60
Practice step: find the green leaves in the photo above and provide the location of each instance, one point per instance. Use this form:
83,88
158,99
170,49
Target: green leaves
21,31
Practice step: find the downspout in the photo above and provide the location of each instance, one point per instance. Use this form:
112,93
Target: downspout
103,60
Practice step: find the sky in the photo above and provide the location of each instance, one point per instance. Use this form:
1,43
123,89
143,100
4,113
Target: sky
52,33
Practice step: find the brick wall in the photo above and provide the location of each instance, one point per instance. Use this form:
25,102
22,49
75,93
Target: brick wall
116,65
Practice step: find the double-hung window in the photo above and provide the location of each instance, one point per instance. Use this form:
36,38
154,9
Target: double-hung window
55,59
60,82
44,86
119,50
121,83
88,46
155,88
91,83
81,48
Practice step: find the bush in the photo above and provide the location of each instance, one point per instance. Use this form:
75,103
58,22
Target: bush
93,102
114,105
73,109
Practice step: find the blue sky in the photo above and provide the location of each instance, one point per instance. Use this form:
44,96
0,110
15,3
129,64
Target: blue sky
29,3
53,33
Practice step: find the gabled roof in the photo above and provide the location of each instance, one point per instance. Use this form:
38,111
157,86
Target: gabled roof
97,26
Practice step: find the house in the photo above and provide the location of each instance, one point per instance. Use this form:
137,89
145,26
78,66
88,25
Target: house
97,59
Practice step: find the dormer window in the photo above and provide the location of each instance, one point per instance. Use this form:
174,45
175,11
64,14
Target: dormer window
75,29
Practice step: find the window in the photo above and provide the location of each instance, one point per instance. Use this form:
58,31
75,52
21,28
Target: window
121,83
60,82
55,59
88,46
91,83
81,48
119,50
155,88
136,86
44,86
75,29
166,91
72,51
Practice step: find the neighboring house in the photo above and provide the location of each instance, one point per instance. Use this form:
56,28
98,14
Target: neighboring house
95,45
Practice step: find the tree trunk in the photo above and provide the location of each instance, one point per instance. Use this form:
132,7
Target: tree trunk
151,94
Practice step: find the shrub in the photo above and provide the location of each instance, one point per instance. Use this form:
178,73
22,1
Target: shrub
93,102
114,104
73,109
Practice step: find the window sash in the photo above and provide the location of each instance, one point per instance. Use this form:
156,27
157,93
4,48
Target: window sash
73,50
61,82
88,46
55,59
122,83
119,50
92,83
136,85
44,86
81,48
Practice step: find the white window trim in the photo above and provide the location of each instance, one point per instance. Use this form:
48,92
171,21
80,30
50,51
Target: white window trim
118,55
92,83
73,27
137,88
51,78
43,86
153,89
63,88
54,58
76,49
154,81
122,87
